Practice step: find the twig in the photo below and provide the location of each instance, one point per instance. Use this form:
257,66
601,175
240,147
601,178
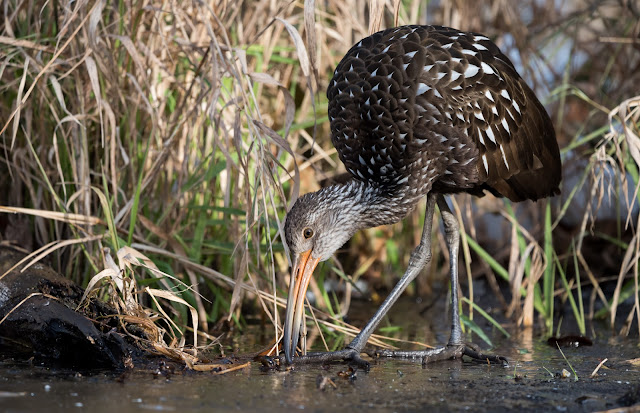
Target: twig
595,372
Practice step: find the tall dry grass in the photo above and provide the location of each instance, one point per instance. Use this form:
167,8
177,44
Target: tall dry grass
185,129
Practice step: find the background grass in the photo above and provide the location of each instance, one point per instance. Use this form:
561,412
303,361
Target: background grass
185,129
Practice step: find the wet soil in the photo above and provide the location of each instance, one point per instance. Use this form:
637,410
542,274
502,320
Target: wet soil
532,382
39,318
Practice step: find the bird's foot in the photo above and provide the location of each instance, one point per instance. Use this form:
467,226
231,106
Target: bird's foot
444,353
347,355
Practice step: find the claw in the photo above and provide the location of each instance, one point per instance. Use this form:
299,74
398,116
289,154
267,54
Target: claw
444,353
349,355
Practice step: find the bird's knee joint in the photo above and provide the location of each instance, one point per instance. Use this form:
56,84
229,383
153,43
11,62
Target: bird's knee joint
420,257
452,237
452,232
451,226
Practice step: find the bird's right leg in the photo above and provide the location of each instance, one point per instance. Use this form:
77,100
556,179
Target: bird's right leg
455,348
419,258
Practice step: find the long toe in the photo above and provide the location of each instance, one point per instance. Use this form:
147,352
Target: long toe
348,355
443,353
476,354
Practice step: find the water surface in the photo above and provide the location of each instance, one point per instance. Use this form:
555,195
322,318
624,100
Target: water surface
395,385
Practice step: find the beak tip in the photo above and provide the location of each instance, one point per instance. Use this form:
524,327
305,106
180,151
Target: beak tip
303,268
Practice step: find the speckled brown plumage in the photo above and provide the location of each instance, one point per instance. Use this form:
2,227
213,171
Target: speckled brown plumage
417,108
418,112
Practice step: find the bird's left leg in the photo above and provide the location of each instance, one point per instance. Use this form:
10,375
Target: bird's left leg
455,348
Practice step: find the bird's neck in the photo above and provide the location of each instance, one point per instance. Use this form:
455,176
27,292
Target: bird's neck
374,205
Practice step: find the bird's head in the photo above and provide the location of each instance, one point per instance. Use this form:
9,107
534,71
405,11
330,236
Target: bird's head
316,226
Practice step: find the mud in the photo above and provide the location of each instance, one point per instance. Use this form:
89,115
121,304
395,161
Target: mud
532,382
39,319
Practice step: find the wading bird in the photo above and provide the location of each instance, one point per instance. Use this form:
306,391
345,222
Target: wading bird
418,111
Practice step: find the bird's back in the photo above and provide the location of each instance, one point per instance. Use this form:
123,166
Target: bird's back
432,108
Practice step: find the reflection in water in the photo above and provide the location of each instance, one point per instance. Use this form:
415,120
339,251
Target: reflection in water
524,340
451,385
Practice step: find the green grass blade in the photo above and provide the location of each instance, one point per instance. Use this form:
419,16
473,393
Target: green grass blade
487,316
486,257
578,313
548,281
476,329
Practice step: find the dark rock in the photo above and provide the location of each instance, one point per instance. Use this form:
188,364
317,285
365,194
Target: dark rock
38,319
569,341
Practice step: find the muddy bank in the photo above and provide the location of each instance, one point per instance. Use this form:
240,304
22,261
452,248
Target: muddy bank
39,320
532,383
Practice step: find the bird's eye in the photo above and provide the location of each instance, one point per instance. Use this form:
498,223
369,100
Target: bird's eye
307,232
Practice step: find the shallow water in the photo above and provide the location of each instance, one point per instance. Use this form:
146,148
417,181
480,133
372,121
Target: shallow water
389,385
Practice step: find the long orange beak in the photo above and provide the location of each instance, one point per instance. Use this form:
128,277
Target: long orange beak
303,267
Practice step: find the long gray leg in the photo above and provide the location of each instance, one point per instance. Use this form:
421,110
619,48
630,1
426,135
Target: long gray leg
452,238
419,258
455,348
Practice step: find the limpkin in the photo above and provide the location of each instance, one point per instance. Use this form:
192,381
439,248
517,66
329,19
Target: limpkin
418,111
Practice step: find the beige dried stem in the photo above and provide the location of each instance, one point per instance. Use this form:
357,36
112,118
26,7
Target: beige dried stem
125,298
536,270
310,30
376,14
70,219
21,102
517,267
628,113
